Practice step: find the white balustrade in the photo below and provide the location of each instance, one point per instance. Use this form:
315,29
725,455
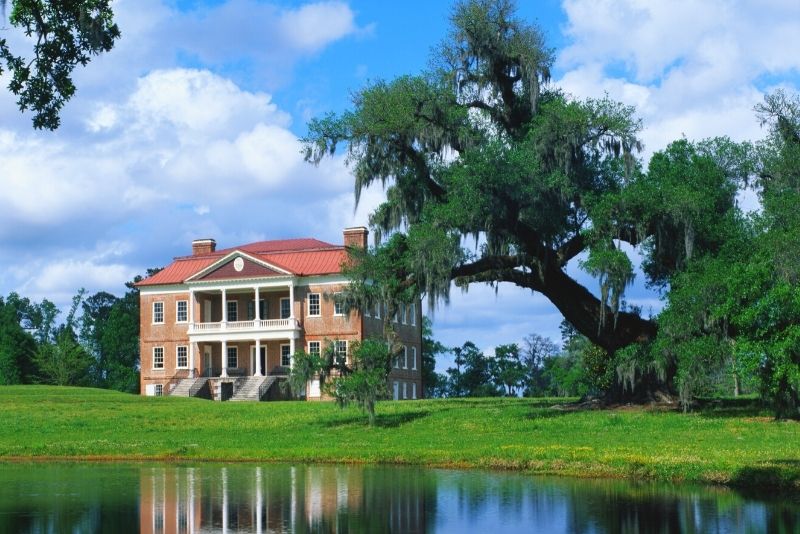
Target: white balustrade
257,325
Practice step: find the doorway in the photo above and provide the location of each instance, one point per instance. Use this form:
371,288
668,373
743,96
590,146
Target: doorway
207,360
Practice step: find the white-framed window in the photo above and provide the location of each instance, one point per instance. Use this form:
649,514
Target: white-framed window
338,307
377,310
314,347
414,358
405,390
182,357
313,305
395,317
158,391
396,364
182,311
405,357
286,308
233,357
233,310
396,390
286,356
413,390
158,357
402,309
367,312
158,313
341,349
412,314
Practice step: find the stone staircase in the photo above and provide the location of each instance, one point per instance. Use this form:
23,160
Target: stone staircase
251,387
183,387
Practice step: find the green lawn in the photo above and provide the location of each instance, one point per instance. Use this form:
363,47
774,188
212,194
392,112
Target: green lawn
737,447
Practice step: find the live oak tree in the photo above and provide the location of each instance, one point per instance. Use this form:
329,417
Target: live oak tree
494,175
65,34
737,313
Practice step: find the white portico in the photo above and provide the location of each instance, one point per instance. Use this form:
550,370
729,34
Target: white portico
239,306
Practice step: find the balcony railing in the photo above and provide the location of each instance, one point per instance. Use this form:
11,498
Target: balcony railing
237,326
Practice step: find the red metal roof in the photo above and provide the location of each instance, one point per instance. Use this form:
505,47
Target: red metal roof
179,270
310,262
302,257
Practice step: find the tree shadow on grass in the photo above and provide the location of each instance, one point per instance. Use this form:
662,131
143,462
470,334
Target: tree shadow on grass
728,408
387,420
782,476
548,413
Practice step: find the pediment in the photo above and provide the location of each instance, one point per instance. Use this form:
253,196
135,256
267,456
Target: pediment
238,265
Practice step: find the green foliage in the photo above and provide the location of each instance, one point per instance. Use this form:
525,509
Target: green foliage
306,367
66,33
731,316
536,350
65,362
110,333
481,146
472,375
508,371
434,383
364,382
16,347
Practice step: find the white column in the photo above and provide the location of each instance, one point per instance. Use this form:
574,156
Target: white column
191,359
224,308
258,308
224,359
291,300
191,307
258,358
291,352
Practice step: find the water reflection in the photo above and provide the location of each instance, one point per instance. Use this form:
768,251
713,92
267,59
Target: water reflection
329,498
281,499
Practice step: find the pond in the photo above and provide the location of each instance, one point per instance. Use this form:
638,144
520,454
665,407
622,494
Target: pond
159,498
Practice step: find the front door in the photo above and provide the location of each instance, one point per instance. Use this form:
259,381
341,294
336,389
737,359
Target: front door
263,357
206,360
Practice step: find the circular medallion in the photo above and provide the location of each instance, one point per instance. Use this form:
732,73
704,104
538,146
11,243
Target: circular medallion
238,264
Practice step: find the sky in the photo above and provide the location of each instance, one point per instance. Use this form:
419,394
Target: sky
190,128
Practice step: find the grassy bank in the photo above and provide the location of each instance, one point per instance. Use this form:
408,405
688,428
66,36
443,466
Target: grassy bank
728,446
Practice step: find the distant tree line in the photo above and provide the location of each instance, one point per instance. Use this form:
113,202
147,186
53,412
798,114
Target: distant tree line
538,367
96,344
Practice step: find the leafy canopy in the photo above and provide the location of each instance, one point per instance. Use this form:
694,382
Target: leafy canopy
64,34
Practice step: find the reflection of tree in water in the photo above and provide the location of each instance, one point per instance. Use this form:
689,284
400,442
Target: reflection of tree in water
330,498
68,498
624,507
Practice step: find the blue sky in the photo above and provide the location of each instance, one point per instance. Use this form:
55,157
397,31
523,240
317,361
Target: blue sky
190,127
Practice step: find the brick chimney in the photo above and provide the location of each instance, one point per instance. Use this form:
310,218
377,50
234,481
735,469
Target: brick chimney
356,237
203,246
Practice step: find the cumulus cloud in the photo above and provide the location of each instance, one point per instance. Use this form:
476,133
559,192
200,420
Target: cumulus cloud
690,68
313,26
149,149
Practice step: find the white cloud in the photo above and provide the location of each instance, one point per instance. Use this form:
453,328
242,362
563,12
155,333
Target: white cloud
691,69
314,26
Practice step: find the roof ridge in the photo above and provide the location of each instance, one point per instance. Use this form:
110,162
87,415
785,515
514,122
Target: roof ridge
318,249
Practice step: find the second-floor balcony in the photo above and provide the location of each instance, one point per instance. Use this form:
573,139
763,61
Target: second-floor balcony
257,325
